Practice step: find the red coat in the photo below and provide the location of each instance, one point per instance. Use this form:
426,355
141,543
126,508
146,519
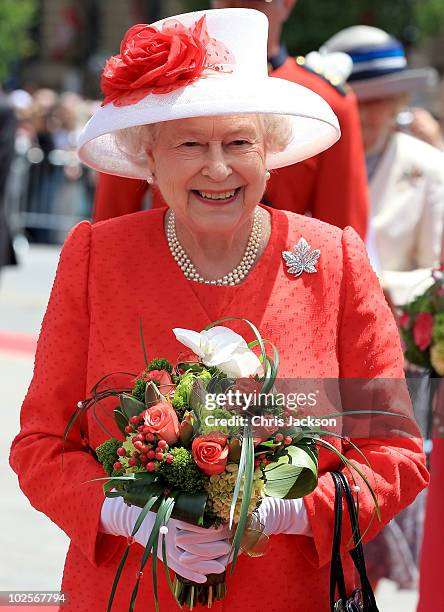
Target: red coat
328,324
331,186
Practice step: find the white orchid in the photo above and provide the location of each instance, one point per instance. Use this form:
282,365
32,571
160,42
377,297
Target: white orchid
223,348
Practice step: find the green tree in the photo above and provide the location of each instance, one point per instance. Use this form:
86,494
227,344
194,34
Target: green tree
16,18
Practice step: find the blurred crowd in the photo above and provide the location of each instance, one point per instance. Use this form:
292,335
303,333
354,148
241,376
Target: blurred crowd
47,190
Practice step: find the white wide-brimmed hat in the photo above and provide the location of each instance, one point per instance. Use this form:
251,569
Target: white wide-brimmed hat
153,79
379,63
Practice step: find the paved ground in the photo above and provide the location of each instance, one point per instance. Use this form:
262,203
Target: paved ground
33,548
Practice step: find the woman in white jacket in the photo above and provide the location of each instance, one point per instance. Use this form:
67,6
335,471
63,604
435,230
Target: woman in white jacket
406,175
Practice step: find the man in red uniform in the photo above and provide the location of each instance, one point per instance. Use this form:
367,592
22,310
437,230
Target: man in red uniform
331,186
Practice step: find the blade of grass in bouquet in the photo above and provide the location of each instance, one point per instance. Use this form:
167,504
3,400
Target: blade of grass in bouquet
99,422
154,536
246,498
99,382
240,474
272,367
143,344
150,503
164,555
351,466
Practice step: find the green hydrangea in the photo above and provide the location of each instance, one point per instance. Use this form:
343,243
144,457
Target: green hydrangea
182,394
107,454
220,489
183,472
438,328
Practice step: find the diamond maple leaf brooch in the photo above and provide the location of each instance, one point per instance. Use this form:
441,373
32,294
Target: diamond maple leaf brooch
301,259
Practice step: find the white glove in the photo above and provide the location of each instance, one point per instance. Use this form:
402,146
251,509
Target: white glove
284,516
192,552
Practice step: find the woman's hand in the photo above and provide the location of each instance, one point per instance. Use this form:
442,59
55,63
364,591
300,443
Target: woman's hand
283,516
192,552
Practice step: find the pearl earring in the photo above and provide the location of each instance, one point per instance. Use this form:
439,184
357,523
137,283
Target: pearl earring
150,179
267,175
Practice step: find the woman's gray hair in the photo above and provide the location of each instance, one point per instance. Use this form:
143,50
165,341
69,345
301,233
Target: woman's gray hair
134,141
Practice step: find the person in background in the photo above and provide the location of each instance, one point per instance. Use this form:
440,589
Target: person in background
425,127
406,177
406,182
8,126
331,186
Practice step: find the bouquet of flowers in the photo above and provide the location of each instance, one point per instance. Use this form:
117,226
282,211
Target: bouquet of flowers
422,326
189,458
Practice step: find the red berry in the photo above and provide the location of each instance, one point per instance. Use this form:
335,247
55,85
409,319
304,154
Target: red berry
143,459
134,420
257,463
162,445
121,452
149,437
144,448
279,437
128,429
159,456
117,466
132,462
151,466
169,458
141,428
151,454
145,429
138,444
288,440
138,438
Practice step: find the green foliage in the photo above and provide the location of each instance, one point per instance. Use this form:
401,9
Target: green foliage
183,472
182,394
139,390
107,454
160,363
16,19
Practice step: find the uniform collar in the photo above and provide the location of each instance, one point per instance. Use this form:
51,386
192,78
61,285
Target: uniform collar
280,58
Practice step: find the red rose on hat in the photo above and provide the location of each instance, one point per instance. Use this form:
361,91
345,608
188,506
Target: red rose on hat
159,61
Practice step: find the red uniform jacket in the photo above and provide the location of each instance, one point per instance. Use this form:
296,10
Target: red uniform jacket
331,186
331,323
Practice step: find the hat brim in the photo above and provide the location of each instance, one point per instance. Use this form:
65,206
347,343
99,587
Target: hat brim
405,81
314,125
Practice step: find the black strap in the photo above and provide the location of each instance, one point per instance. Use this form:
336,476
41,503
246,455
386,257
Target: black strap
357,553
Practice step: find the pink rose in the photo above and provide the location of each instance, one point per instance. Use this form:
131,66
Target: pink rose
422,330
210,452
163,378
162,421
404,320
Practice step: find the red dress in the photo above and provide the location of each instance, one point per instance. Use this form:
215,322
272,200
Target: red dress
328,324
331,186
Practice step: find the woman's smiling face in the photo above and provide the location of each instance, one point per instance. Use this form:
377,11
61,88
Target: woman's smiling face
210,170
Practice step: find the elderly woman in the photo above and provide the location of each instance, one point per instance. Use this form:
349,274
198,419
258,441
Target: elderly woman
188,104
406,176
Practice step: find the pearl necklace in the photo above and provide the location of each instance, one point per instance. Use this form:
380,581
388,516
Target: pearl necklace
232,278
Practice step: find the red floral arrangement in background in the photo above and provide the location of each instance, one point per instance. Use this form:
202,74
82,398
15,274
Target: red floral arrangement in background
153,61
421,324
